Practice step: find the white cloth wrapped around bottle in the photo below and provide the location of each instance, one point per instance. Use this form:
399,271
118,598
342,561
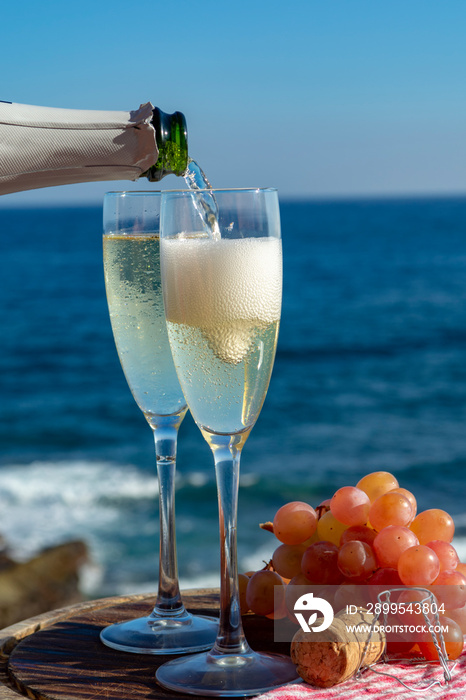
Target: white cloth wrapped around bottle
42,146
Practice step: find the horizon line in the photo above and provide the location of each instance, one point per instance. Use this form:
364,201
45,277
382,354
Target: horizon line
286,198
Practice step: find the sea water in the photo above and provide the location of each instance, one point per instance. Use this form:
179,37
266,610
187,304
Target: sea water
370,374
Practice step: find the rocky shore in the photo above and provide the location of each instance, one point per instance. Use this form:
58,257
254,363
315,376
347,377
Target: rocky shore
47,581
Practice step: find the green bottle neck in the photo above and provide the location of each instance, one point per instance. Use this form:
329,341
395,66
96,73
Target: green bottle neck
172,143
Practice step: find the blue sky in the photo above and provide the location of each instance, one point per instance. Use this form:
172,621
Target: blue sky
315,97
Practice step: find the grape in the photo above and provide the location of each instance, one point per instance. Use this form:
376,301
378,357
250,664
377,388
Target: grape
371,534
298,586
294,591
357,559
446,553
265,592
310,540
376,484
390,542
351,594
286,559
459,616
433,524
399,645
385,576
294,522
280,611
410,606
243,581
329,528
418,566
415,602
358,532
453,639
450,589
350,506
410,496
382,579
323,508
390,509
320,563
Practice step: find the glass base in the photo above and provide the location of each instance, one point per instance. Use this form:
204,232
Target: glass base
229,675
155,635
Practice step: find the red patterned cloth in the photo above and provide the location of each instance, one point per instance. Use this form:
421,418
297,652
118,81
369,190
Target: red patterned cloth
374,685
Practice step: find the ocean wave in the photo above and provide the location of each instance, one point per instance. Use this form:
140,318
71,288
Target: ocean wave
198,479
256,560
74,482
114,509
45,501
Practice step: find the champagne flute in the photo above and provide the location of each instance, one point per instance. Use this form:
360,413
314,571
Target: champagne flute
222,294
131,247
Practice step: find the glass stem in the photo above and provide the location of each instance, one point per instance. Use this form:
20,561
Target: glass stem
227,452
165,429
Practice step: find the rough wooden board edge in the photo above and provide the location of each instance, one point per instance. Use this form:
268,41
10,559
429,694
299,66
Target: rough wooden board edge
12,635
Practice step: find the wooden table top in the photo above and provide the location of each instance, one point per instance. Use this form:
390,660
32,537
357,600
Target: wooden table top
59,656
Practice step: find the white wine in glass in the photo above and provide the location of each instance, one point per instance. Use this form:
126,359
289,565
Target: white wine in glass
222,292
131,247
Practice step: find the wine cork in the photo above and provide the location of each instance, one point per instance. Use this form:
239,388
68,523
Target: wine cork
332,656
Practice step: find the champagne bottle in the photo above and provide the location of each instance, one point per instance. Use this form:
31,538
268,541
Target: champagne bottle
42,146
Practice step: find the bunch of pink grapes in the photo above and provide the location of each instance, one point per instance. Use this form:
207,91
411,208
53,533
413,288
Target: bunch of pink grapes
370,534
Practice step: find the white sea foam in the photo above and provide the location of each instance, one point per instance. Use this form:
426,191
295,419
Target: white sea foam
196,479
46,502
255,560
